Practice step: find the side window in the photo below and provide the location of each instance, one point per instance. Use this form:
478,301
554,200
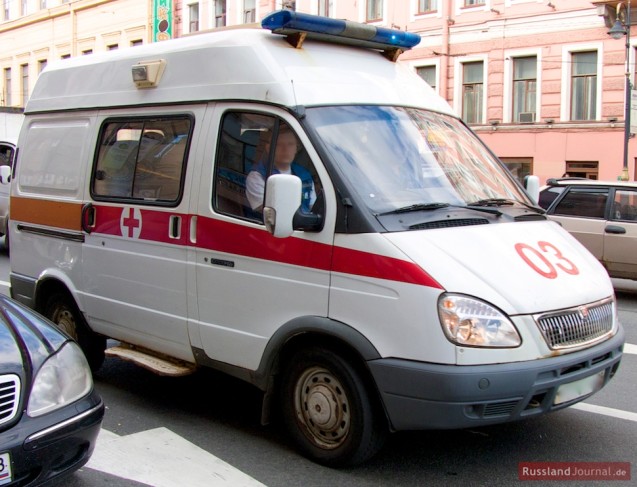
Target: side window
251,148
6,155
583,202
625,205
549,195
142,159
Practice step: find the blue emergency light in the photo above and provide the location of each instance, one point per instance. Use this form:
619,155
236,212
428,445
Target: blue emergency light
299,26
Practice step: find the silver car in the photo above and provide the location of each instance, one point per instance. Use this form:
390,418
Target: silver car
602,215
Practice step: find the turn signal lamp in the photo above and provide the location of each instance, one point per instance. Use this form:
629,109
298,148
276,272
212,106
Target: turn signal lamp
299,26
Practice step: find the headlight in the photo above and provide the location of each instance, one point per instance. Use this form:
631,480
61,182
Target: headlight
64,378
474,323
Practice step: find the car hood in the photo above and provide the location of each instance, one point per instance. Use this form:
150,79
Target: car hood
522,267
25,342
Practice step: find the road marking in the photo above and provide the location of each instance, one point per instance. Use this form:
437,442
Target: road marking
161,458
615,413
630,348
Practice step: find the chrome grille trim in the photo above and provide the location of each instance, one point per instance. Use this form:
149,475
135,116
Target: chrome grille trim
9,397
579,326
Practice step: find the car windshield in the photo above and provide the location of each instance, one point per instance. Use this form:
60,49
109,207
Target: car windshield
407,159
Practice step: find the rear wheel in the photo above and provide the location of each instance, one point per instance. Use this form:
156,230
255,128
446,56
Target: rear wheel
63,312
328,410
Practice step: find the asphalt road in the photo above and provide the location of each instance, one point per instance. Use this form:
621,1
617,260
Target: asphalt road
204,430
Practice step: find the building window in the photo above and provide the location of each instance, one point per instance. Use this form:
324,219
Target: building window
193,16
24,9
65,56
472,91
519,167
112,47
249,11
374,10
584,86
7,15
136,42
24,73
41,65
428,73
324,7
220,13
524,89
582,169
427,6
42,4
86,52
7,87
471,3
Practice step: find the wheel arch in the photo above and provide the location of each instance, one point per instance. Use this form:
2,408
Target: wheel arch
48,285
312,331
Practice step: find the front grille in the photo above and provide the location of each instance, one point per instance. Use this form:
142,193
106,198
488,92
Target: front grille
576,327
9,397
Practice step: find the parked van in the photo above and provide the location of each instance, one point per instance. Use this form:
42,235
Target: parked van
10,123
394,275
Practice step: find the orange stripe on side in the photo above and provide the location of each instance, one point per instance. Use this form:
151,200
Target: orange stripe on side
58,214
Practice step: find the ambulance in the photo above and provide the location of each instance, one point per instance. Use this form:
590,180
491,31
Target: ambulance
293,206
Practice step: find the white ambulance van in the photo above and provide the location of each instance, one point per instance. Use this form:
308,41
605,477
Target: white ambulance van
10,123
402,280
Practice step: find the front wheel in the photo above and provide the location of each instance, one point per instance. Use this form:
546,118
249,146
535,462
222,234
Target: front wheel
328,410
63,312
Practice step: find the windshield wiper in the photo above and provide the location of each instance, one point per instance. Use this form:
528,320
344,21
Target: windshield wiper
505,202
416,207
437,206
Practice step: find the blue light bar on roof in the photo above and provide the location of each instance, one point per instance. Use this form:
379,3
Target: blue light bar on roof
290,23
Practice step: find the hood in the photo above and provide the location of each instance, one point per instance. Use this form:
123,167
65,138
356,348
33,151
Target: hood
521,267
26,339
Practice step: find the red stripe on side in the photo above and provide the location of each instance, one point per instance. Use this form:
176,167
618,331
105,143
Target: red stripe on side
155,225
349,261
228,237
232,238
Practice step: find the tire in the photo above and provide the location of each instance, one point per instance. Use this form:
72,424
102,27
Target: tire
63,312
328,411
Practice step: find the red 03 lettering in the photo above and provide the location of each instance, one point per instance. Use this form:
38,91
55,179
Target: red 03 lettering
546,259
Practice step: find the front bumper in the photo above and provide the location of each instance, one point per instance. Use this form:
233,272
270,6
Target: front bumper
46,448
420,395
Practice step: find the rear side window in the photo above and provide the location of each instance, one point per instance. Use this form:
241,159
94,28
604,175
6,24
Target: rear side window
142,159
583,202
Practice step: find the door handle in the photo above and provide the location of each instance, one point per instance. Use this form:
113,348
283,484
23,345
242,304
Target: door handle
88,217
615,229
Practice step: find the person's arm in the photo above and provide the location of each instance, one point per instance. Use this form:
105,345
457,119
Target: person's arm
255,188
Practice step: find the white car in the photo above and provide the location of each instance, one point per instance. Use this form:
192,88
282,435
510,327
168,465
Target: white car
10,123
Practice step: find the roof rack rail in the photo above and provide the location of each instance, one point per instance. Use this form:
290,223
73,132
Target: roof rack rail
299,26
556,181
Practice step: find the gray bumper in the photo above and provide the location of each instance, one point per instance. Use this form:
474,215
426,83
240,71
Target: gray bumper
420,395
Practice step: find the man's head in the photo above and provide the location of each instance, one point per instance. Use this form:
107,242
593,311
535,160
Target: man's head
286,148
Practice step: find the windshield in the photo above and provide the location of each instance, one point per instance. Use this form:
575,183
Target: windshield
398,157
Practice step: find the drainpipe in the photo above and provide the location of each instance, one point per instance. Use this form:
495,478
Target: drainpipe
447,22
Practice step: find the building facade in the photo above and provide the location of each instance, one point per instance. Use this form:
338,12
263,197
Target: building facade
540,81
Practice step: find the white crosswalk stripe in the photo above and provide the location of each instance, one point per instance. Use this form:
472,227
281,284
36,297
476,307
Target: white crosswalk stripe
161,458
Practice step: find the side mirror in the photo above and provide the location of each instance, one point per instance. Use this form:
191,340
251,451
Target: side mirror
5,174
533,188
282,199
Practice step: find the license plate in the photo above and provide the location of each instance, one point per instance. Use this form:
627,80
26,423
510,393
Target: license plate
5,468
579,388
